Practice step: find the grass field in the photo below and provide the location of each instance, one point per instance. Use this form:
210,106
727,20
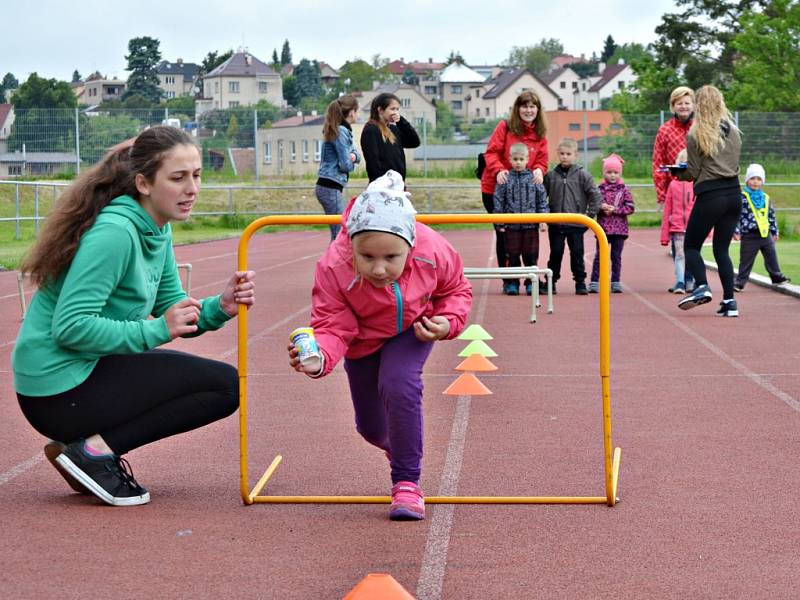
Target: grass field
246,202
788,257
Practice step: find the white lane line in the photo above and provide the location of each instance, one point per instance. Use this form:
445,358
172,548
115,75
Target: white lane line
264,270
434,560
7,476
743,369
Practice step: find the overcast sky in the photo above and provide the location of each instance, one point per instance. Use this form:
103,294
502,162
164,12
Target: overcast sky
53,37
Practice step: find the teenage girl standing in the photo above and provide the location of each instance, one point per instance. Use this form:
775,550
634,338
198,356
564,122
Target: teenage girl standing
385,137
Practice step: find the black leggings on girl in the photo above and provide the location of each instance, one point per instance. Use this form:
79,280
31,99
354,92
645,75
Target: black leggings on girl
718,209
134,399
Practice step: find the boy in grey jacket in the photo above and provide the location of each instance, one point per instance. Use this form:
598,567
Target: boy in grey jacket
570,190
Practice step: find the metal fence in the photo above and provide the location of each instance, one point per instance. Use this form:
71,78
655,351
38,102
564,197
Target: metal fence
51,141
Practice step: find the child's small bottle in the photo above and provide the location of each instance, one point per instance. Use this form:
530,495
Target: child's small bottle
307,349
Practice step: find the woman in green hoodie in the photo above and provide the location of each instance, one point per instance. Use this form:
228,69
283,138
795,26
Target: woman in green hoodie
86,371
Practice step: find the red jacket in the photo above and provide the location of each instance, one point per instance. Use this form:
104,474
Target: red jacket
670,140
677,208
497,153
353,318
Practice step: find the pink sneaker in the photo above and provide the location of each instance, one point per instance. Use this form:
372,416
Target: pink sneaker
408,502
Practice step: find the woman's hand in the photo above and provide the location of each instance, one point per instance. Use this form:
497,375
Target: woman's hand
502,176
182,317
538,178
240,289
313,367
431,329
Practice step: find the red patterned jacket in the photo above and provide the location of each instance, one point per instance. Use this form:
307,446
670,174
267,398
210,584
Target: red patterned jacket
670,140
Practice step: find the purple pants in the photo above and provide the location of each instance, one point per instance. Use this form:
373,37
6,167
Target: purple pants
617,243
386,388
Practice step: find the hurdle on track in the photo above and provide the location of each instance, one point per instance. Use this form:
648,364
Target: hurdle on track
611,455
531,273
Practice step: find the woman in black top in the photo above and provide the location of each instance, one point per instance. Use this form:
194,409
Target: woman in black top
385,136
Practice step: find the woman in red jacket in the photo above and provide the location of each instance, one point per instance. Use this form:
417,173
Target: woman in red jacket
526,125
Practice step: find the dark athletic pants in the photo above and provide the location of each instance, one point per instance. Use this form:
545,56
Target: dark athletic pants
500,242
134,399
719,210
573,236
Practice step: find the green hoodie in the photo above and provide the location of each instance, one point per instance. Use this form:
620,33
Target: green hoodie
123,272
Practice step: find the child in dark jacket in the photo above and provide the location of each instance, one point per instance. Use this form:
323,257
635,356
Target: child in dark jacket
520,195
757,229
570,190
616,205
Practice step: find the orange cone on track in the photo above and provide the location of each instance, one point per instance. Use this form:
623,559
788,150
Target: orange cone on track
378,586
476,362
467,385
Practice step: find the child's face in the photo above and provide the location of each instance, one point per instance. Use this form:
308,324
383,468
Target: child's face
567,156
380,257
755,183
611,175
519,162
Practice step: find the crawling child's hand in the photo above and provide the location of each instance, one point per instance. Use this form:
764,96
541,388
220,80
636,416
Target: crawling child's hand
310,367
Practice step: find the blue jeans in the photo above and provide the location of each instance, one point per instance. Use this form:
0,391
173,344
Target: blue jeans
332,203
678,256
386,388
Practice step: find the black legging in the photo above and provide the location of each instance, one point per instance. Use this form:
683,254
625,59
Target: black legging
135,399
500,242
719,209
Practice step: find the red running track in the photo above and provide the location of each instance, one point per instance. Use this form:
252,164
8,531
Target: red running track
706,411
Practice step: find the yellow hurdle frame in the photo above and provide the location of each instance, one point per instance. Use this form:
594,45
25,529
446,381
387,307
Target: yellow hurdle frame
611,457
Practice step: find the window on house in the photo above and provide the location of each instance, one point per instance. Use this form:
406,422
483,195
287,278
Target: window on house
419,121
583,104
563,85
583,86
305,150
615,127
293,151
477,93
15,169
591,104
621,85
455,89
574,85
262,87
233,104
456,104
487,111
170,94
268,153
233,87
594,126
478,112
574,126
317,150
169,79
216,87
431,90
405,102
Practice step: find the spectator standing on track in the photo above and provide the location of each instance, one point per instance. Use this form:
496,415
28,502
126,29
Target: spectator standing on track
713,148
85,369
615,206
385,137
757,229
526,125
677,208
671,138
382,293
520,195
338,157
570,190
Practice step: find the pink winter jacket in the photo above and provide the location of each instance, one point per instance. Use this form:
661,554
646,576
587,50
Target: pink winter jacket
353,318
678,204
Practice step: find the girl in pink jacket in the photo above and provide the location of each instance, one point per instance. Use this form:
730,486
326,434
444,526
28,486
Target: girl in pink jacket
382,293
678,204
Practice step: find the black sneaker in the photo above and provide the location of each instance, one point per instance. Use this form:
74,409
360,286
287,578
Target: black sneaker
781,279
107,477
700,295
728,308
52,450
580,289
738,287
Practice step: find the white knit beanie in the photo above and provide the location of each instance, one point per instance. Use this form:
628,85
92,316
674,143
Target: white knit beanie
384,206
755,170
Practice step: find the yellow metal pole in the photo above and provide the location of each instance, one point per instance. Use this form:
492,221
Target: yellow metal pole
612,456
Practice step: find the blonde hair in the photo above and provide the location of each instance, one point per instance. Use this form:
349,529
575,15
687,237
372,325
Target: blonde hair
711,113
567,143
518,148
678,93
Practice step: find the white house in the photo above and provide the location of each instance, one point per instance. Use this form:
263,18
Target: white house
592,91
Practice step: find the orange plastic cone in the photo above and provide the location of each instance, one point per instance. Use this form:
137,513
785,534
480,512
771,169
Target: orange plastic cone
378,585
476,362
467,385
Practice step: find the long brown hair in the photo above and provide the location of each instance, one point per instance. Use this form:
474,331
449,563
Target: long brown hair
335,116
382,102
539,123
79,205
